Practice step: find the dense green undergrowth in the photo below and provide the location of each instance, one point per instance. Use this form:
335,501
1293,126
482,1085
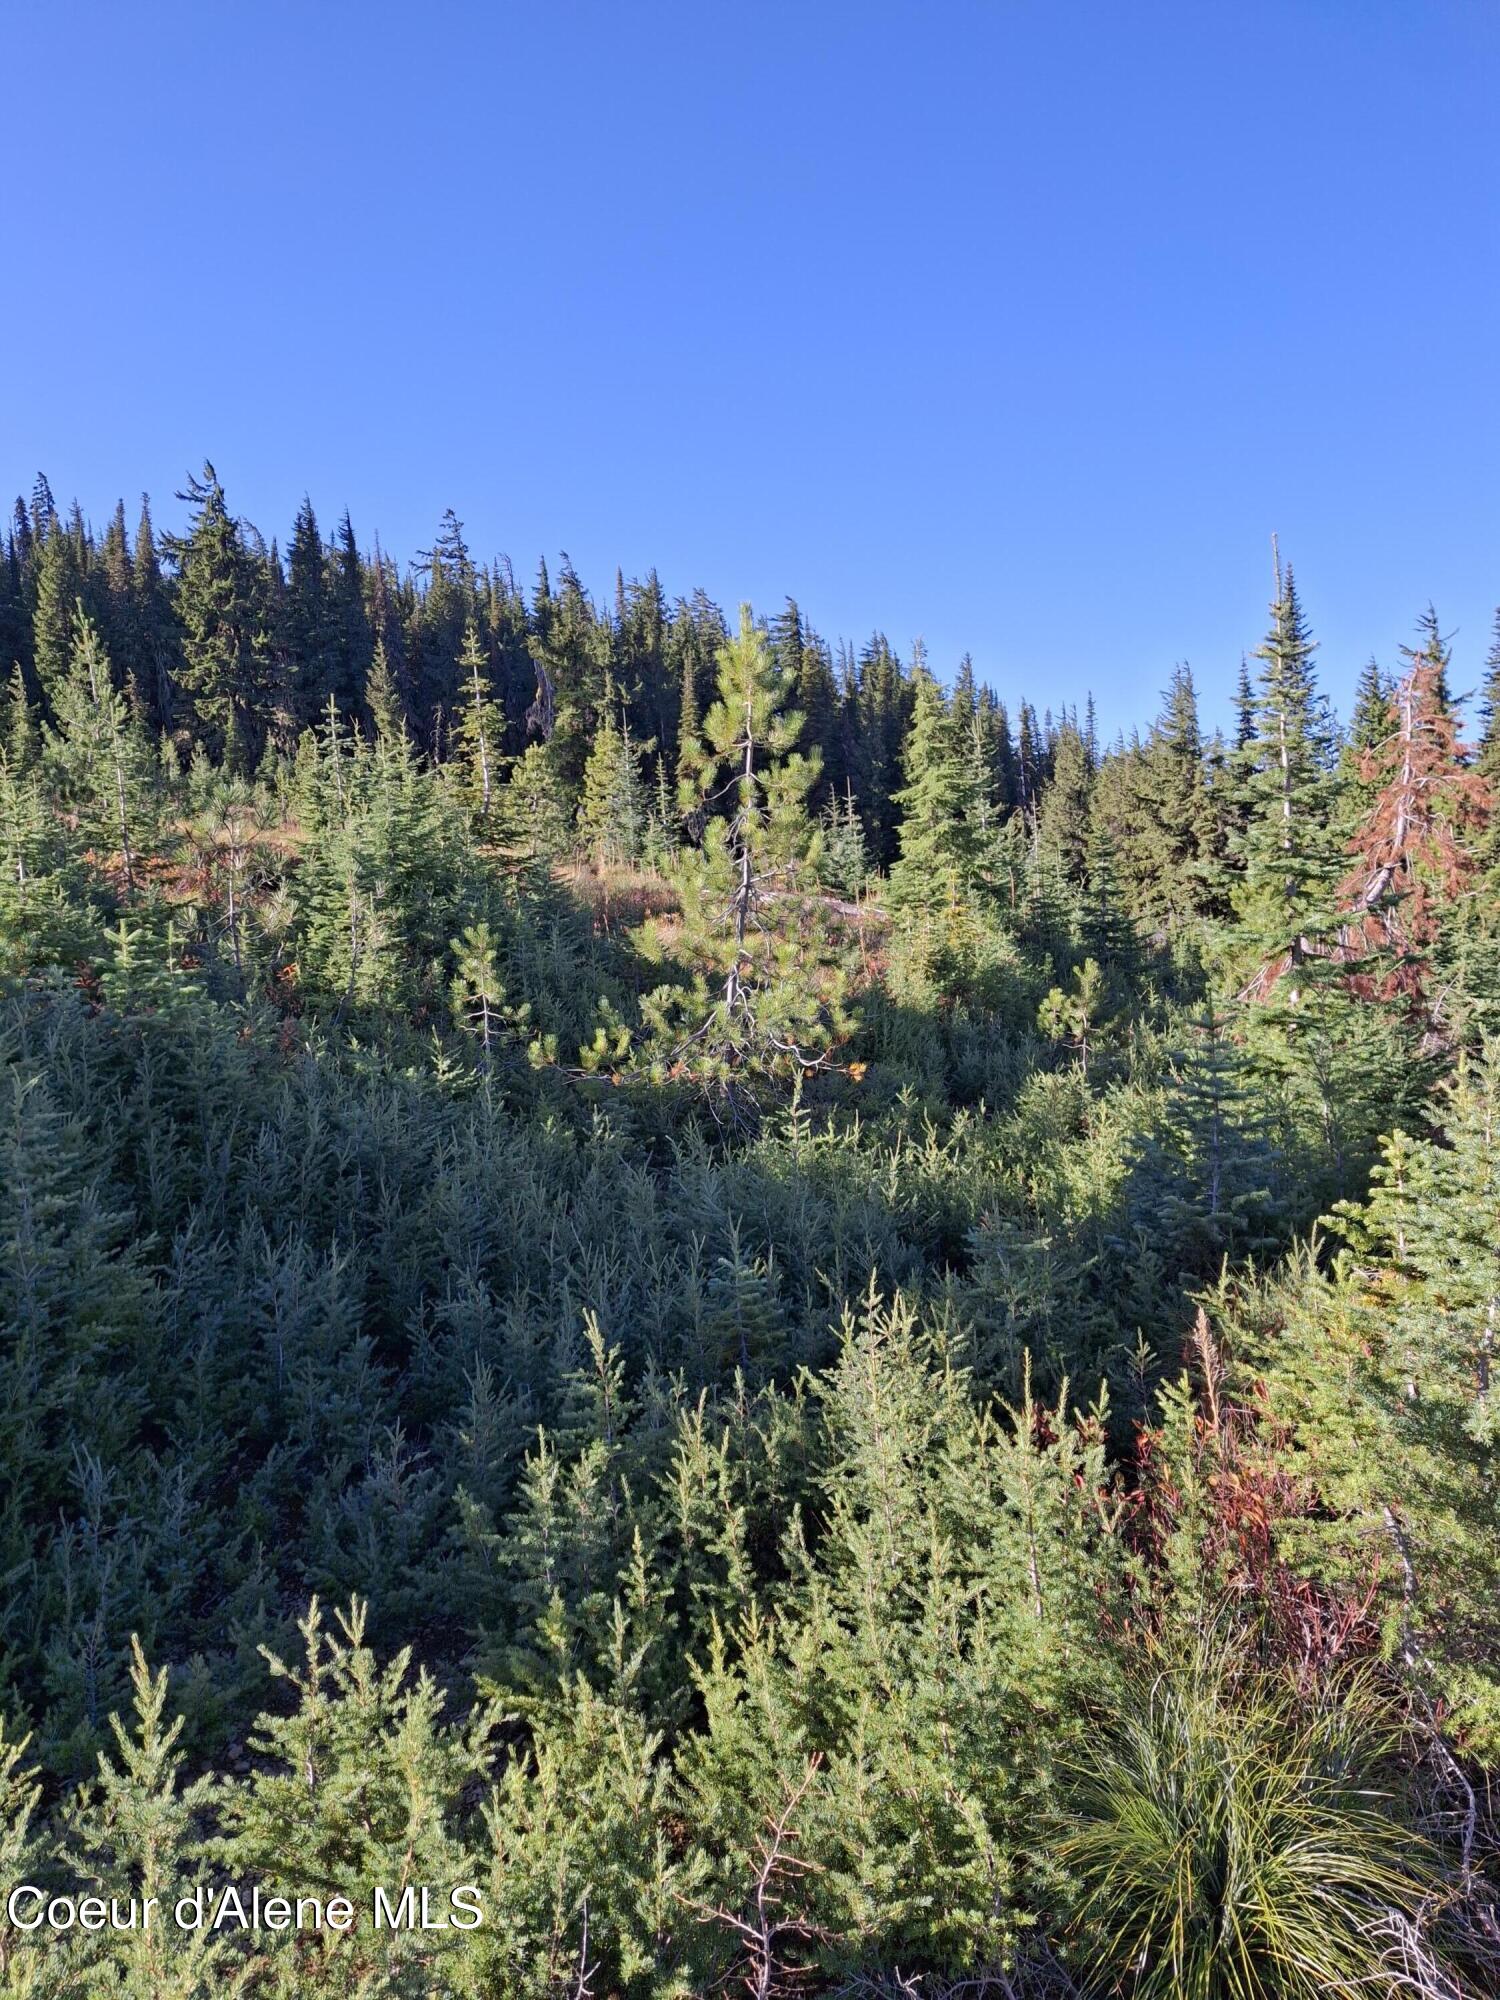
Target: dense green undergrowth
883,1389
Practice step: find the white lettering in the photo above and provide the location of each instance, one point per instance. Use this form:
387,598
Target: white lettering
230,1903
466,1899
402,1918
25,1889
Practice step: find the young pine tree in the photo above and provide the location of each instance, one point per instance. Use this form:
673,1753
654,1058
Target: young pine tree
98,764
480,725
613,814
762,1007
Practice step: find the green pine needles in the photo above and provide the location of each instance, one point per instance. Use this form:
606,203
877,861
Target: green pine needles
685,1311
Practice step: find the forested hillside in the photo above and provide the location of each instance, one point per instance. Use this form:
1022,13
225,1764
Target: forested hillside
833,1337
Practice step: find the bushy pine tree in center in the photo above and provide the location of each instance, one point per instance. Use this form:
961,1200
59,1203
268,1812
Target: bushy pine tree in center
764,1003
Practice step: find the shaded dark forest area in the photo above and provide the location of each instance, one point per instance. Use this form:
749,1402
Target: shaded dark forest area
833,1339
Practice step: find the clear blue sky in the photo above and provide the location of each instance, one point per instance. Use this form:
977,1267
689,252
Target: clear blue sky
1019,327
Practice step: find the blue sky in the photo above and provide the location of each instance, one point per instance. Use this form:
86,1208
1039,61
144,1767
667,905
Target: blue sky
1018,327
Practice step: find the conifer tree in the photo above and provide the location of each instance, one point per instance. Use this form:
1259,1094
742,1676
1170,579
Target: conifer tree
15,621
1286,897
531,817
1244,707
1174,851
1109,932
353,640
478,991
612,814
1489,710
1234,792
1395,1400
1208,1173
155,627
1076,1017
480,724
843,861
442,615
227,675
1006,778
308,619
1413,850
882,715
23,739
694,636
938,833
97,759
1063,818
113,596
753,1011
383,697
1369,727
135,1833
61,581
573,656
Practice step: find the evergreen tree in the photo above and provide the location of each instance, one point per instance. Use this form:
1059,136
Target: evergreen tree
1076,1017
882,713
481,724
612,815
96,758
1175,851
1489,710
23,741
1413,850
532,819
751,1013
1286,897
353,639
156,638
61,581
573,659
843,860
228,674
383,697
939,828
308,620
1208,1173
442,615
1063,818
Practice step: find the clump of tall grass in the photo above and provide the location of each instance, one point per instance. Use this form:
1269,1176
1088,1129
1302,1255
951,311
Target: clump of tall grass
1234,1839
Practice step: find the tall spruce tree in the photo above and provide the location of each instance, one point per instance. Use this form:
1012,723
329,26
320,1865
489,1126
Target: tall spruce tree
228,675
1063,817
308,619
1175,851
938,833
1286,897
156,629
